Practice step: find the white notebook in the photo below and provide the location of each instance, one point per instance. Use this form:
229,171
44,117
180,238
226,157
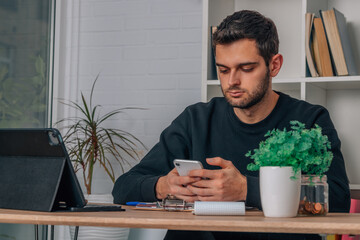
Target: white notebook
219,208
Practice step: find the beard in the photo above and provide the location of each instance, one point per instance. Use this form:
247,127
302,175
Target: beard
253,97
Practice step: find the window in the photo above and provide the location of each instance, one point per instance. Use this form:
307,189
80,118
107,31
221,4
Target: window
25,62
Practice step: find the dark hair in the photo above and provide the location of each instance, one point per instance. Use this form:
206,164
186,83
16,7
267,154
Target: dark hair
251,25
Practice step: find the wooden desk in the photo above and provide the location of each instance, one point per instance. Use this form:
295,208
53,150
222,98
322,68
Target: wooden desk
253,221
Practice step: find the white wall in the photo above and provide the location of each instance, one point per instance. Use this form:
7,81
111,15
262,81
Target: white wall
148,54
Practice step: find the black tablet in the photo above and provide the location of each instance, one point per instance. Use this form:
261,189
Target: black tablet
36,173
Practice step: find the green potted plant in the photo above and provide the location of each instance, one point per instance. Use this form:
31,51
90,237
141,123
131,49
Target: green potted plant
90,144
281,159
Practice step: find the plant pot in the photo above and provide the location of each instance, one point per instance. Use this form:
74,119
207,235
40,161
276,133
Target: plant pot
104,233
279,193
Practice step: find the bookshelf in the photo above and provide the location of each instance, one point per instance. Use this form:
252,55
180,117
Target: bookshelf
340,95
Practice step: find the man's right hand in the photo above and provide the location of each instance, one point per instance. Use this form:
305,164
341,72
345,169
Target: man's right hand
175,185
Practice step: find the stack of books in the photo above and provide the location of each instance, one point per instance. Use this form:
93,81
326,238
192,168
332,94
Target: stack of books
328,48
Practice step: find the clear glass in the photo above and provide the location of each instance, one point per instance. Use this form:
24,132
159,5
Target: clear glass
314,195
25,35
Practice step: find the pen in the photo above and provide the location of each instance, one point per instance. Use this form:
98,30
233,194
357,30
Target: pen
144,205
132,203
135,203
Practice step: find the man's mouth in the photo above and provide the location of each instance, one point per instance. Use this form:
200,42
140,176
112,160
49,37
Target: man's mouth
236,93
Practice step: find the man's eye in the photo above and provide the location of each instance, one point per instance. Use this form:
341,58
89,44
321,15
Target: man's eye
223,70
248,69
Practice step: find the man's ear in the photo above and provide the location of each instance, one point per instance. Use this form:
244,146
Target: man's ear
275,64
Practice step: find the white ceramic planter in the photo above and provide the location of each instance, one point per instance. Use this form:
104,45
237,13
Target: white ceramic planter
104,233
280,195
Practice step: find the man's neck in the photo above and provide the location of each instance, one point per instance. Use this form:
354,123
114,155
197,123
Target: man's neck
259,111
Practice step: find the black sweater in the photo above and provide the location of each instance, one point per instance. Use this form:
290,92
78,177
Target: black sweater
212,129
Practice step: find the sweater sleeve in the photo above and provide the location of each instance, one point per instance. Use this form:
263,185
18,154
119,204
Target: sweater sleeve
139,183
339,192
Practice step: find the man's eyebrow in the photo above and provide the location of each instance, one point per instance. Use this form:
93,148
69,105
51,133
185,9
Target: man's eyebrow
239,65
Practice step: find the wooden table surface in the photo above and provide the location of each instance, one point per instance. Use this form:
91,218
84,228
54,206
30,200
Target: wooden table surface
252,221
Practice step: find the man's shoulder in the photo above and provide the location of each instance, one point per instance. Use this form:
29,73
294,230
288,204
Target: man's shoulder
203,111
294,103
214,103
298,108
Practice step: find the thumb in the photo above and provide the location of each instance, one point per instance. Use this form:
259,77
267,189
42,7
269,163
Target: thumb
173,172
218,161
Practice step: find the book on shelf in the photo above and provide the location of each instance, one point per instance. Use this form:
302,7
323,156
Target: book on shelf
215,68
321,50
339,42
309,19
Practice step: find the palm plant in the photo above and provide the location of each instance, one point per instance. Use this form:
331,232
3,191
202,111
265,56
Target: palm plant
90,143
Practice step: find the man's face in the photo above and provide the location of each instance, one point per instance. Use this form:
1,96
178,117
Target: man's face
244,76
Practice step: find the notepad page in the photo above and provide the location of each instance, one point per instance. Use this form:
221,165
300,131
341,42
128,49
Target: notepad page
219,208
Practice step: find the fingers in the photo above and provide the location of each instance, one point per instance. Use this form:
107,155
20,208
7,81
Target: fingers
182,192
182,181
211,193
176,185
207,194
203,174
218,161
174,178
205,183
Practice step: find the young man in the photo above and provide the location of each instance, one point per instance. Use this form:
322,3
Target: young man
221,132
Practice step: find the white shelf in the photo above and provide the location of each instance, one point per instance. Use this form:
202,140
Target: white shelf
355,186
213,82
336,83
327,83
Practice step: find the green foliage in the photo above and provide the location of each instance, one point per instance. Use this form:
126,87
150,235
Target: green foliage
90,143
303,149
23,101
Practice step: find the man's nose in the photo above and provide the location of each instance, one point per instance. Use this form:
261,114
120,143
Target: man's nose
234,78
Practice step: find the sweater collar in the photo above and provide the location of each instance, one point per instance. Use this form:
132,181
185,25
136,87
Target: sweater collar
259,126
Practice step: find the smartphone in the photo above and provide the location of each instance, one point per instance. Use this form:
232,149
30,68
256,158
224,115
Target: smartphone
183,166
